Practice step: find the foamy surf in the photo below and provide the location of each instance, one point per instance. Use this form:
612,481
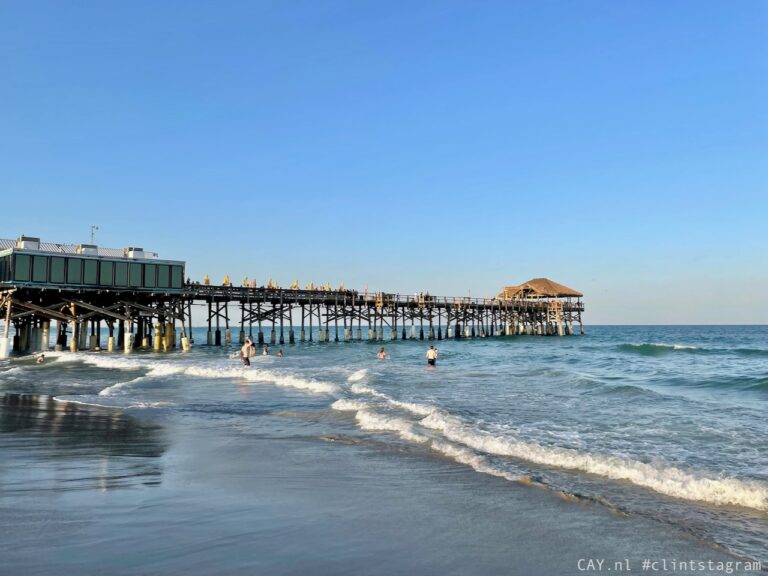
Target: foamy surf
114,388
358,375
291,381
368,420
660,478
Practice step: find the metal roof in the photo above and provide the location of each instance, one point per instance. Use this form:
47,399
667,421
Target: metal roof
72,249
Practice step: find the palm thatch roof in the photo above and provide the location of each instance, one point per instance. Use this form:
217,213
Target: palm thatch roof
539,288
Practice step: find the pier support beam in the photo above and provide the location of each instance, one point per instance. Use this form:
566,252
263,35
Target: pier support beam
128,348
45,339
5,341
158,339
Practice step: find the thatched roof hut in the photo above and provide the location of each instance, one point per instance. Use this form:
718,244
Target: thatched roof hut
539,288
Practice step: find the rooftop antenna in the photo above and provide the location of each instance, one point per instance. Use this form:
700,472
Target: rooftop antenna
94,227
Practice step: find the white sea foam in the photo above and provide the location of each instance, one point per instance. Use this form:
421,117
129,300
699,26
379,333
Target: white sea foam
369,420
471,459
346,405
658,477
363,389
11,371
663,345
290,381
661,478
114,388
358,375
414,408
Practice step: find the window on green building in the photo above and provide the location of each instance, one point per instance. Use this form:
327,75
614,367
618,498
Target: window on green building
135,275
121,273
163,276
106,272
90,272
39,269
74,271
21,267
57,270
177,276
150,275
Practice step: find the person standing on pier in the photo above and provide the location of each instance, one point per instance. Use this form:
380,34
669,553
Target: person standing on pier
432,356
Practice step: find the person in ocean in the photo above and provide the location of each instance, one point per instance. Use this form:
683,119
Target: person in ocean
245,351
265,352
280,353
432,356
381,355
40,359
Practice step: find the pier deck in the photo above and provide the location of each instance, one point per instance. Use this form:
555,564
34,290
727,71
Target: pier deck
141,300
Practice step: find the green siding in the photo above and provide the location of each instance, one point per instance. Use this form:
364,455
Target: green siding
106,272
150,275
74,271
39,269
90,272
22,267
79,271
135,275
163,276
57,270
177,276
121,273
5,268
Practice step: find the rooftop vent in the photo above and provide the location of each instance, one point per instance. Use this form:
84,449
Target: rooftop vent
132,252
28,243
88,249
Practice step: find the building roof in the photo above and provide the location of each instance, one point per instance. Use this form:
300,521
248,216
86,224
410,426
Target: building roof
539,288
71,249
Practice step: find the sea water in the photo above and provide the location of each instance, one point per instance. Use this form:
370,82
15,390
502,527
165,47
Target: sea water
663,428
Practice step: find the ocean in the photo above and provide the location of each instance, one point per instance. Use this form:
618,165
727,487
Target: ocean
518,454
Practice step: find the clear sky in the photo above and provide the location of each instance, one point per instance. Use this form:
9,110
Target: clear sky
618,147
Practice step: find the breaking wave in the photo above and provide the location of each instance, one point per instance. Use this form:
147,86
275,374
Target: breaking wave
466,444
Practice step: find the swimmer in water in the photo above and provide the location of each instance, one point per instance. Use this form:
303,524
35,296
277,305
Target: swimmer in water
244,353
381,355
432,356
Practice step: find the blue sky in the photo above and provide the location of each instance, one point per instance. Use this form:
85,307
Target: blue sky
616,147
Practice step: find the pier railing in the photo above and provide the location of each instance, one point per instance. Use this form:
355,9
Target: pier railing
352,297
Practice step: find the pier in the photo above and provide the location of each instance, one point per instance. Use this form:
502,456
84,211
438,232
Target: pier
142,301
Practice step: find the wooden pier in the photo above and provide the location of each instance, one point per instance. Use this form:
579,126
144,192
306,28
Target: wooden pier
143,302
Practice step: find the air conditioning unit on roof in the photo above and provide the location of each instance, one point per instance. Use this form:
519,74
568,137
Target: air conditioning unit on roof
88,249
132,252
28,243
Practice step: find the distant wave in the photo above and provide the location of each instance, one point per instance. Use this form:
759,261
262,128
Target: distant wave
465,443
652,349
659,349
750,352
